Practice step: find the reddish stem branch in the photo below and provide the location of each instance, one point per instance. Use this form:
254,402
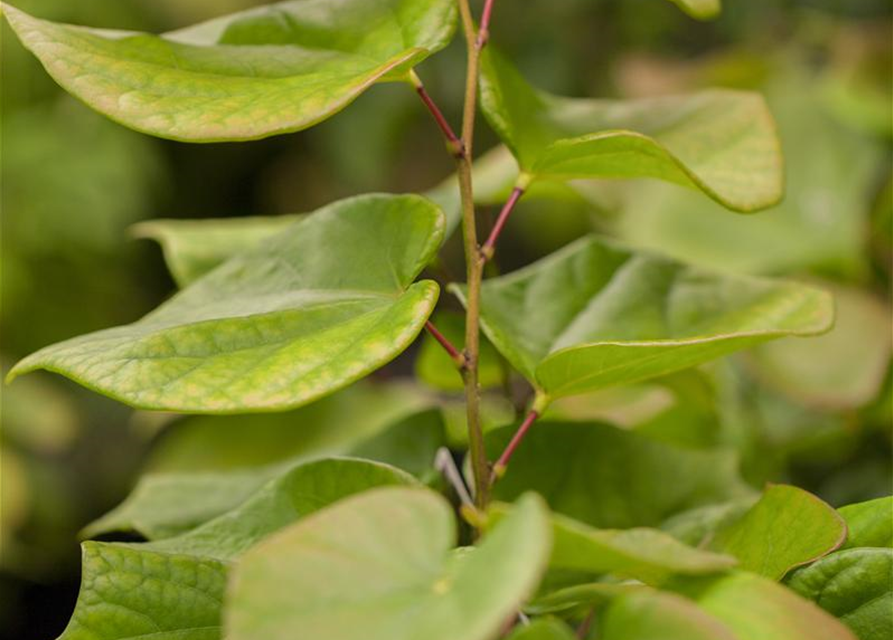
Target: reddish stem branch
453,352
484,30
586,625
455,145
503,462
489,247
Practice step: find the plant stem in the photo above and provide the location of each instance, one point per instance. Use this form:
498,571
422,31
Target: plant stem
453,352
454,144
489,247
474,263
503,462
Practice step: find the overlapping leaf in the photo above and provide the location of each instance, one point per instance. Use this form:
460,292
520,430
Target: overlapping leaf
607,477
544,629
647,614
252,74
856,586
648,555
174,588
597,314
786,528
869,524
308,311
193,248
720,142
381,566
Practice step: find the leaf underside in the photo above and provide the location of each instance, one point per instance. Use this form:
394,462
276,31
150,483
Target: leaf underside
306,312
615,316
252,74
721,142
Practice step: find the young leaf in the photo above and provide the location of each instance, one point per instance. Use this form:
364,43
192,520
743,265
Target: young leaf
597,314
174,587
607,477
645,615
856,586
756,608
260,72
721,142
701,9
543,629
308,311
193,248
786,528
869,524
379,567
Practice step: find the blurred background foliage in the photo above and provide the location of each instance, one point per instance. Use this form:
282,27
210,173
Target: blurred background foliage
816,413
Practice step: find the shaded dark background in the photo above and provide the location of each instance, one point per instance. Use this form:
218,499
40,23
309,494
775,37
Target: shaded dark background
72,184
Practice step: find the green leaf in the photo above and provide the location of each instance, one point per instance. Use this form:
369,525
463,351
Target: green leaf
869,524
334,425
855,355
648,555
435,368
379,567
580,597
856,586
166,504
173,588
597,314
721,142
607,477
786,528
697,527
756,608
544,629
645,554
261,72
308,311
648,615
193,248
701,9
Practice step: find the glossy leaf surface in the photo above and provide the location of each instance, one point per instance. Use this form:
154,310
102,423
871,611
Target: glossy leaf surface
248,75
597,314
607,477
786,528
701,9
308,311
380,566
855,585
174,588
721,142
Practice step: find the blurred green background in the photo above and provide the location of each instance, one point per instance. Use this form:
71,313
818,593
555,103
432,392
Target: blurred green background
817,414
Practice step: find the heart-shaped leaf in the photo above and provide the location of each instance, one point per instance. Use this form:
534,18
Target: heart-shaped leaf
701,9
855,585
648,555
607,477
308,311
869,524
721,142
786,528
381,566
249,75
174,588
193,248
597,314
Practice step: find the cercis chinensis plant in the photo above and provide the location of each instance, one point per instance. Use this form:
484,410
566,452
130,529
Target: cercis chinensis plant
276,313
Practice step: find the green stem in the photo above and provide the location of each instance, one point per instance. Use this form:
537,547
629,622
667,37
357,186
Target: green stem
474,262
